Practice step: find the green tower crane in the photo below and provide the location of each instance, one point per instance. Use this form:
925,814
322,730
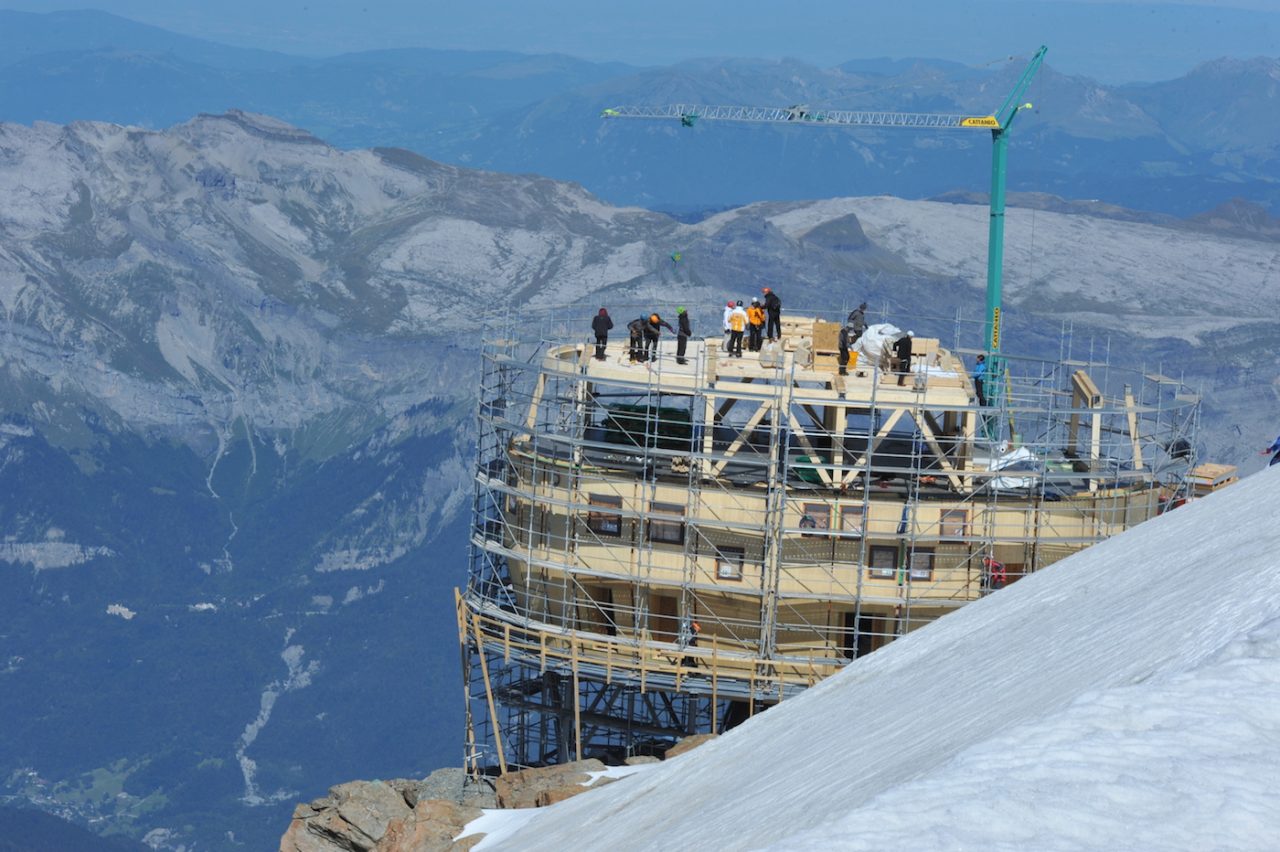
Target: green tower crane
998,122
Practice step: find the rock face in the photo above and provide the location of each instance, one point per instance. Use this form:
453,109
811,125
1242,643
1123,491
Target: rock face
389,816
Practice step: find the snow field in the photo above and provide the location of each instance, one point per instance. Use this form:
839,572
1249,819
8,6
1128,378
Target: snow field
1127,698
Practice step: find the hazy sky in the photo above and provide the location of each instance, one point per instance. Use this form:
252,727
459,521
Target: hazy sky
1113,41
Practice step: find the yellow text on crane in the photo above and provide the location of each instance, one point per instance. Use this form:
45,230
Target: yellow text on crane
980,121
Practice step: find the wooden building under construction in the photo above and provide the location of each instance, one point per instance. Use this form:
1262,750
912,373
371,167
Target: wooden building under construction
662,549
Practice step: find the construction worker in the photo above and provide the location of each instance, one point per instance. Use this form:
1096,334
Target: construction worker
737,324
728,309
600,324
846,338
857,322
902,361
773,307
652,331
689,630
635,346
980,380
755,325
683,331
1273,451
996,575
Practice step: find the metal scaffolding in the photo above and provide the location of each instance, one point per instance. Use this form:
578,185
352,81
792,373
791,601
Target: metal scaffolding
660,549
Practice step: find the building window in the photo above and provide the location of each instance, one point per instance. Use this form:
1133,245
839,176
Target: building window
604,522
920,565
729,562
852,520
666,523
816,517
954,523
884,561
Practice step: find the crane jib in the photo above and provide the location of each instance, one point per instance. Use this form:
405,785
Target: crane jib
998,123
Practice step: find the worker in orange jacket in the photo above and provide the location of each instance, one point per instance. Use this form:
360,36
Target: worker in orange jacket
755,325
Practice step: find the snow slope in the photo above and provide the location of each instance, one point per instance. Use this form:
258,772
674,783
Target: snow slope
1127,697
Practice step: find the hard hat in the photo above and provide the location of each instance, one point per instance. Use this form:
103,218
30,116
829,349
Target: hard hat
911,334
739,304
765,290
680,310
729,304
654,318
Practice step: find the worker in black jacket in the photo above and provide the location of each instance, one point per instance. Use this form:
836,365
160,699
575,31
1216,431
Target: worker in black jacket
635,346
600,324
846,338
772,307
857,322
652,331
683,332
902,349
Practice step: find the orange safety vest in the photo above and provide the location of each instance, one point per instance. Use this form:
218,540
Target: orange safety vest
755,315
735,321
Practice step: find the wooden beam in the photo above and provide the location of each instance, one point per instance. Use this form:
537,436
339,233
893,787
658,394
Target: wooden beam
488,694
1131,415
964,456
733,448
577,697
875,442
937,451
823,473
538,390
837,434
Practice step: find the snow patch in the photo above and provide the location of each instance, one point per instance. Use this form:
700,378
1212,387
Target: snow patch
121,610
44,555
355,593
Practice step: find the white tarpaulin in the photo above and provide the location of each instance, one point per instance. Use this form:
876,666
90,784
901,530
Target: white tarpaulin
1020,459
876,341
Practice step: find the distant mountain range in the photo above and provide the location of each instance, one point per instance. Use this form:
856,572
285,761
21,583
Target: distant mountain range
1177,147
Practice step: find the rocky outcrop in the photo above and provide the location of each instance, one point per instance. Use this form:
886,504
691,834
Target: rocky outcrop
432,826
390,816
687,744
546,785
429,815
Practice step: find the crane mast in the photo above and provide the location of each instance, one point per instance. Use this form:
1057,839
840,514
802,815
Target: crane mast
998,122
